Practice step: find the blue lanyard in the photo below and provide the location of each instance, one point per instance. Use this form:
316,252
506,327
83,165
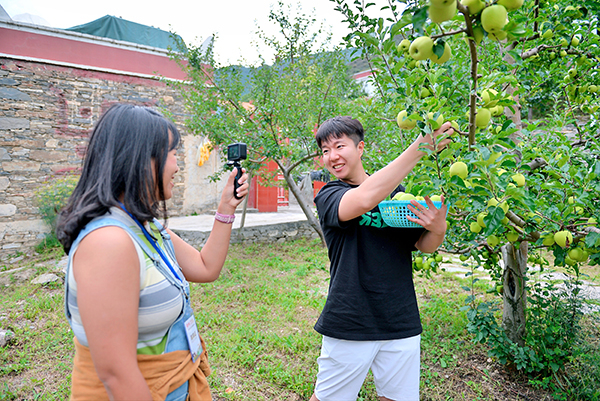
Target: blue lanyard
154,245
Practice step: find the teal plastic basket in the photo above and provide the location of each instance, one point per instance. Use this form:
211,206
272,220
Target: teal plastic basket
394,212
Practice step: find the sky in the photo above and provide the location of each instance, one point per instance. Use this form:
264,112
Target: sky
233,21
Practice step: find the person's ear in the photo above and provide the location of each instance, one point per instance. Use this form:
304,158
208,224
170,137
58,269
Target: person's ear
361,147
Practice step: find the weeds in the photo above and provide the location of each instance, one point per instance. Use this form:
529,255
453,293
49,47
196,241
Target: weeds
257,320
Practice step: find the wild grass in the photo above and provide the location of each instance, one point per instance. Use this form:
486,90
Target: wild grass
257,320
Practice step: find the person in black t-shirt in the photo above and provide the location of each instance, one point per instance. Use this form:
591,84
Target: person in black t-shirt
371,319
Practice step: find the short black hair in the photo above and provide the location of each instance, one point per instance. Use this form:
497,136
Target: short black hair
339,126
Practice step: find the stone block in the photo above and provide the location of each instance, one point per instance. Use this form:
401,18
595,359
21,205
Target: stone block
14,94
7,210
20,166
4,154
13,123
48,156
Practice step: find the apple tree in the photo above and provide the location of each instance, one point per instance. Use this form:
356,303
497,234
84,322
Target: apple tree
276,108
519,82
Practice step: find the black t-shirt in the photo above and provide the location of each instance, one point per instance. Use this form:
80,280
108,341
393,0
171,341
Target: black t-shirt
371,292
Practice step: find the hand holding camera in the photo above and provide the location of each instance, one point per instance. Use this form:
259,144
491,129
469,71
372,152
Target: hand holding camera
235,153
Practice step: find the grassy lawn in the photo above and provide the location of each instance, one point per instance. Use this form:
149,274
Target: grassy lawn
257,320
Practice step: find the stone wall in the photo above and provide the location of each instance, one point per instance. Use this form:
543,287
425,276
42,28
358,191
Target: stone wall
46,114
273,233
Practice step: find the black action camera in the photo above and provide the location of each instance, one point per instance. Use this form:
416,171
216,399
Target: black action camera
235,153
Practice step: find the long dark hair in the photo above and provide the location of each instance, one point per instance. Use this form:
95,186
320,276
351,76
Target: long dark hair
118,162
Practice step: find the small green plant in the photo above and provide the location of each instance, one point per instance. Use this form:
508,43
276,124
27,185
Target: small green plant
50,199
553,336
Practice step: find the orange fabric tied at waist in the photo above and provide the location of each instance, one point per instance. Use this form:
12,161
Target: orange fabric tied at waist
163,373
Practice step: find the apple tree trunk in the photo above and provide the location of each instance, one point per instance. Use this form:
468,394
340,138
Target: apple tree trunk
305,204
515,291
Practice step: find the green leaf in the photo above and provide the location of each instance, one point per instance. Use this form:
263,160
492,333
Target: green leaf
438,50
418,20
592,240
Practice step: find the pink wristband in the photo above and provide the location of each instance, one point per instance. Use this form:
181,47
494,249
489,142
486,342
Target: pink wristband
225,218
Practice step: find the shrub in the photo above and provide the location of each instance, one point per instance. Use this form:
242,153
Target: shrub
553,352
49,199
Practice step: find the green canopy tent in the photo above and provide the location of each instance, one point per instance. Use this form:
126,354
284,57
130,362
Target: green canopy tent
128,31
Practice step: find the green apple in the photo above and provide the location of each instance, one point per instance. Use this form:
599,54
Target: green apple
445,56
474,6
511,5
403,196
548,240
439,14
493,18
421,48
403,122
463,257
441,3
404,45
480,218
570,261
475,227
460,169
519,179
477,35
494,202
424,93
482,119
564,238
576,254
487,95
439,258
573,72
563,53
438,122
592,221
492,241
564,42
497,111
547,34
512,236
574,41
498,35
435,198
593,88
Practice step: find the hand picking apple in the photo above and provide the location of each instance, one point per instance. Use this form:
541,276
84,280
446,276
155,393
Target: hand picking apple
430,141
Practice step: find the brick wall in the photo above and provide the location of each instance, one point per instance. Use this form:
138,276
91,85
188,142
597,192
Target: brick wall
46,115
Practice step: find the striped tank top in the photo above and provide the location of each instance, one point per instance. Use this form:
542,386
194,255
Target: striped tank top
160,302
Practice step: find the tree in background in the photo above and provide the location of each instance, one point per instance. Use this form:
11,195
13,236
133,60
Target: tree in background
523,191
276,108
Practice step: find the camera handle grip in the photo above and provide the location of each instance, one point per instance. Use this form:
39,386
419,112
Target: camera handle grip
236,183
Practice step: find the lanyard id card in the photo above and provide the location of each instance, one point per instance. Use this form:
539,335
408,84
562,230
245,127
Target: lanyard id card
191,331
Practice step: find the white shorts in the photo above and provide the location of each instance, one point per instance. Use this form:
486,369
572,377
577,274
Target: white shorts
343,367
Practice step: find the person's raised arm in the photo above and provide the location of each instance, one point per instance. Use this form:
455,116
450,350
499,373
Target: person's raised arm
205,266
379,185
107,271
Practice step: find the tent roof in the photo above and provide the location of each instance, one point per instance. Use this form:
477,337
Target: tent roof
128,31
